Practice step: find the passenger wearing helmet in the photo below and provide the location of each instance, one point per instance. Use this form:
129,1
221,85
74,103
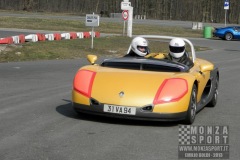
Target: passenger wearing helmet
178,52
138,48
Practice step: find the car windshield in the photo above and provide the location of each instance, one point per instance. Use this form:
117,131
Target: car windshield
145,64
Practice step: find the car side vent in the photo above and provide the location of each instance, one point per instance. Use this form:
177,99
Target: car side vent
147,109
94,102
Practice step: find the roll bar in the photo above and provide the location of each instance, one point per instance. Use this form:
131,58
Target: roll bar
193,55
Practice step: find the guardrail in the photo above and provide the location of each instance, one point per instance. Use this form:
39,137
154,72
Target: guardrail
197,25
46,37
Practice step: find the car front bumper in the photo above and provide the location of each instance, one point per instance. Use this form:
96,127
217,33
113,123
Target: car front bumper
140,115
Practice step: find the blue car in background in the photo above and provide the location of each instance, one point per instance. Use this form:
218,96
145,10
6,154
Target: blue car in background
227,33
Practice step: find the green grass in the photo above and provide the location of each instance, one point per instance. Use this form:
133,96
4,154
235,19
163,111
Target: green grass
65,49
78,48
105,27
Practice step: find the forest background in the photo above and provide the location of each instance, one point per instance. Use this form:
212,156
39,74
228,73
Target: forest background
184,10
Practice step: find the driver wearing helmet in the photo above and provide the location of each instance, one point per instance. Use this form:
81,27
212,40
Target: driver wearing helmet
138,48
178,53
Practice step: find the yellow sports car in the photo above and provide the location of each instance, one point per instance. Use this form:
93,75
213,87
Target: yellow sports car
146,88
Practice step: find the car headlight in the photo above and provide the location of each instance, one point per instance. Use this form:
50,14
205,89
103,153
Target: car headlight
83,82
171,90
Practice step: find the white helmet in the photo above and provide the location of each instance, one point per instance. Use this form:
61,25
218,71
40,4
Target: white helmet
177,47
139,45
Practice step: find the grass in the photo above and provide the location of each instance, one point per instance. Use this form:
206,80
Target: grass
105,27
66,49
78,48
112,46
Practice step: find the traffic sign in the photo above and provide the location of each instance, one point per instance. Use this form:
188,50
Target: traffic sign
92,20
125,15
226,4
125,5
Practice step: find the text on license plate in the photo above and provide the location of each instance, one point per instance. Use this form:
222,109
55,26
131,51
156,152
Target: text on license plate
119,109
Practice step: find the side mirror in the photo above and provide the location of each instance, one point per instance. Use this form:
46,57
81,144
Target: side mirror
92,59
206,67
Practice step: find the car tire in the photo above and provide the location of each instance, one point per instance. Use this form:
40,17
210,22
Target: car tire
192,108
214,99
228,36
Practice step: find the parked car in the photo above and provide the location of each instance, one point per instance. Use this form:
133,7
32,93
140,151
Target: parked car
227,33
146,88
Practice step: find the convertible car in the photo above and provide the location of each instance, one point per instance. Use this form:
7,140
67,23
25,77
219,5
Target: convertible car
227,33
146,88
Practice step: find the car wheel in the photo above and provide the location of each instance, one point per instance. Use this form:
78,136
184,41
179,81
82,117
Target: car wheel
213,101
192,108
228,36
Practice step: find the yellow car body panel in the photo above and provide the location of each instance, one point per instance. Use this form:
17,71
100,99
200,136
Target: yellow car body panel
195,71
80,98
144,83
202,78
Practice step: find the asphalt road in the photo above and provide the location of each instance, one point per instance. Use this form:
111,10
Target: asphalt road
37,121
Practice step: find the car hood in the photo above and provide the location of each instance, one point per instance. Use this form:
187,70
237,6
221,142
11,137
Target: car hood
109,83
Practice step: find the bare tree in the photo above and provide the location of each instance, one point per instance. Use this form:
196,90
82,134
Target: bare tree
193,10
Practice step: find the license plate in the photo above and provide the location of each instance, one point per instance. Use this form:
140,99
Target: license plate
119,109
